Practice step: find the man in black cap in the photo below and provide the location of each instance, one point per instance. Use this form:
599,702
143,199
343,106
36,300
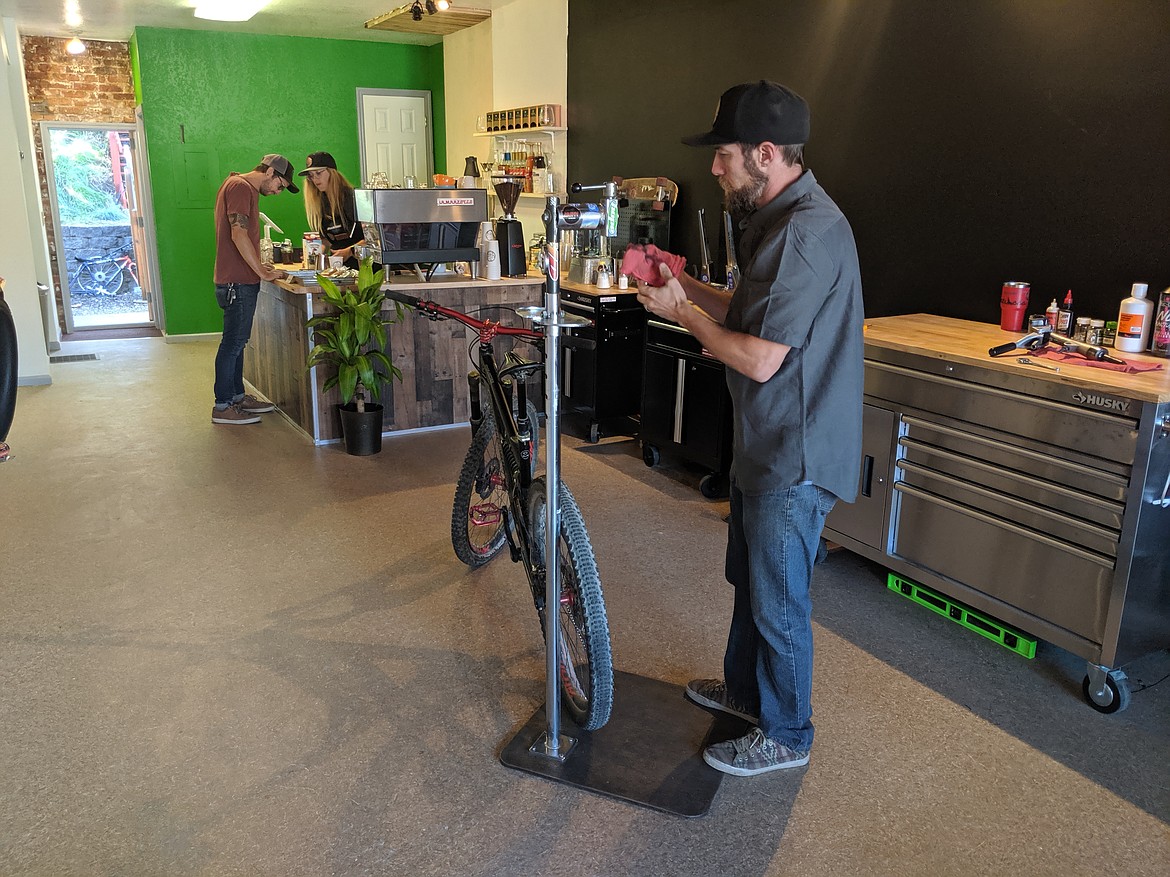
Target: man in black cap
238,272
791,337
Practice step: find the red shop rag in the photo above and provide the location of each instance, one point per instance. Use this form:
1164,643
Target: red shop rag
641,262
1130,367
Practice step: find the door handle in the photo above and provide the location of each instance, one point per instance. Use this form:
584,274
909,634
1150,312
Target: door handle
866,475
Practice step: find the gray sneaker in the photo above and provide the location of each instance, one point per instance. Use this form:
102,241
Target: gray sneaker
233,414
713,693
251,405
752,754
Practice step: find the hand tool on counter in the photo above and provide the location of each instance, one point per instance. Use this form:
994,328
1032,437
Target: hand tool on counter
729,242
1024,360
704,253
1089,351
1042,336
1031,341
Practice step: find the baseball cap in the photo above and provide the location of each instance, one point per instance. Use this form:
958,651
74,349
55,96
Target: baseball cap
755,112
316,161
283,168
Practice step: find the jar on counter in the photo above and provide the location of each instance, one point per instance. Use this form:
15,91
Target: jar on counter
1110,334
1096,332
1081,333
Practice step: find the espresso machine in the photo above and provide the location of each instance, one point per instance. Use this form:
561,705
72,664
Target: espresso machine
509,231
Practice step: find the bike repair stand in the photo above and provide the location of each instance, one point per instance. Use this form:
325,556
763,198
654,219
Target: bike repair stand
649,751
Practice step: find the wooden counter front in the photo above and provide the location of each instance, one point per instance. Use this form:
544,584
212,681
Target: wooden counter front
432,355
964,341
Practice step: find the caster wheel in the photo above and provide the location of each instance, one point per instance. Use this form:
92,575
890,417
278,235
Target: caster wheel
650,455
713,486
594,433
1113,698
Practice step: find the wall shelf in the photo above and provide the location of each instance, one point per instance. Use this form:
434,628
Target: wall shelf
526,133
516,132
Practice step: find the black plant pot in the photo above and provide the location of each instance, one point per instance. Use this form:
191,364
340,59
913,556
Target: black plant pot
362,431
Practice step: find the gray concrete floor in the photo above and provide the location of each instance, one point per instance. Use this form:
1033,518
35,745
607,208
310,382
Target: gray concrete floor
225,651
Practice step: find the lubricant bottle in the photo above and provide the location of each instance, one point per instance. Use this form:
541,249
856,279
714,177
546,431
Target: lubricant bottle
1134,320
1053,315
1065,320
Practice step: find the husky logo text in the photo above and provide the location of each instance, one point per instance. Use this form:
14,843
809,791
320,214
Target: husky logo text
1119,405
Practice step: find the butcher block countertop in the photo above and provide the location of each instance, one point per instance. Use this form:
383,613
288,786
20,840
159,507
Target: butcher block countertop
967,342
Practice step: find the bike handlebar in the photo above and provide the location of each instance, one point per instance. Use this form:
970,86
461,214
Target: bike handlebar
487,329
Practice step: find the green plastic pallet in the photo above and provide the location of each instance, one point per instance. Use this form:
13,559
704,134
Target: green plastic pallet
972,619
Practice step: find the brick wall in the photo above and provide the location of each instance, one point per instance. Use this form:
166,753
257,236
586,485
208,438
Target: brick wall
94,87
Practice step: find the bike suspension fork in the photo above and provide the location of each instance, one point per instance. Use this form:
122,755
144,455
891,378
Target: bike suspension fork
473,398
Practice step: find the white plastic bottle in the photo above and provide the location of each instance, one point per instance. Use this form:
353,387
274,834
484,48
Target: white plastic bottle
1134,320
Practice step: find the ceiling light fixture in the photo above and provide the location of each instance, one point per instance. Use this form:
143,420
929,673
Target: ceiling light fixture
431,7
75,46
443,5
416,12
228,10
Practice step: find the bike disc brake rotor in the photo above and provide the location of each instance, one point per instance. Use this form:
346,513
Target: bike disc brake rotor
486,517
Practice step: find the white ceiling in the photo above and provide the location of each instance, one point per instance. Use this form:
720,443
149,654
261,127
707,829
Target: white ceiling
116,19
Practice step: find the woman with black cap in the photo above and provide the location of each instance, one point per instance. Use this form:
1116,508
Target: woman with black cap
330,207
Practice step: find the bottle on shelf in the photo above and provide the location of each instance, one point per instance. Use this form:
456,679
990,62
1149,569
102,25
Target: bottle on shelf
1134,320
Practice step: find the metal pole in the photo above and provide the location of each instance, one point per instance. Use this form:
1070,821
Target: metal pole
552,469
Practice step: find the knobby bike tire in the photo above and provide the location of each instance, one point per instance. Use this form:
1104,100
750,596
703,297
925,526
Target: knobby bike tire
583,653
104,280
481,499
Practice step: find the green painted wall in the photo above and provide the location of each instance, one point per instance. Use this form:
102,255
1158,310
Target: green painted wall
213,103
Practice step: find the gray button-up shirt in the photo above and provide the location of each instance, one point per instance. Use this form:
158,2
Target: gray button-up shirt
801,286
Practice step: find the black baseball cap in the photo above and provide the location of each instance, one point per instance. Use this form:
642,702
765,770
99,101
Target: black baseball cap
283,168
757,112
316,161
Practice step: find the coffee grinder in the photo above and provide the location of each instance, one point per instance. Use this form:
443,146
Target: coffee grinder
509,231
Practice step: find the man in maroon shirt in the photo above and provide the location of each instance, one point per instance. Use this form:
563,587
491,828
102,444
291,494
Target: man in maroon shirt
238,272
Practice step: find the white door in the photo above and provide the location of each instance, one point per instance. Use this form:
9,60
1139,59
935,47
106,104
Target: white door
395,134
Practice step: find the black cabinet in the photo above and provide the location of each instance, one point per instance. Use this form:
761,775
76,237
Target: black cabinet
601,364
686,409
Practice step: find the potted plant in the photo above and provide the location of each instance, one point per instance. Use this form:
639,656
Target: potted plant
352,339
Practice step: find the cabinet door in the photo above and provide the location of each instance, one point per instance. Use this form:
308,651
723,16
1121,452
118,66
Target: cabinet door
704,400
659,382
579,375
864,520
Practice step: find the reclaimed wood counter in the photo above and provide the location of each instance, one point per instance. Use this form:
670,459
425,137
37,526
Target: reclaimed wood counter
432,355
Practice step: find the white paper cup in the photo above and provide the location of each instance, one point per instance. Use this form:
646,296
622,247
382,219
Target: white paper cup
336,261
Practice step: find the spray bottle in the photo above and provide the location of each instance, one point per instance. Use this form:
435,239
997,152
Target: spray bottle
1134,320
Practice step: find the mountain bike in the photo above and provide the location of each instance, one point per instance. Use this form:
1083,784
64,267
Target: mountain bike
499,501
105,275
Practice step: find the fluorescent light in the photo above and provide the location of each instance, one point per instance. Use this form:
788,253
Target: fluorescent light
228,10
73,14
75,46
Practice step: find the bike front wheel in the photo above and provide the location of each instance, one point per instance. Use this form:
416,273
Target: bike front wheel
583,648
481,499
100,278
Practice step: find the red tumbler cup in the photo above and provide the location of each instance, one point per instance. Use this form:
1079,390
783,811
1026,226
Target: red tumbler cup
1013,303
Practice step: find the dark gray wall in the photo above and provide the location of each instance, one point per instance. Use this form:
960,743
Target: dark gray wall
968,142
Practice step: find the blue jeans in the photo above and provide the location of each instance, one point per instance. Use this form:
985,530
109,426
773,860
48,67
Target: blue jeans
772,543
238,301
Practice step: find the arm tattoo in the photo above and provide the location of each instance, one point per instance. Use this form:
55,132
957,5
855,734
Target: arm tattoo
238,220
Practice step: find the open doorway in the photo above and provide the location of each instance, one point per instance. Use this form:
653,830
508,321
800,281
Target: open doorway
95,196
